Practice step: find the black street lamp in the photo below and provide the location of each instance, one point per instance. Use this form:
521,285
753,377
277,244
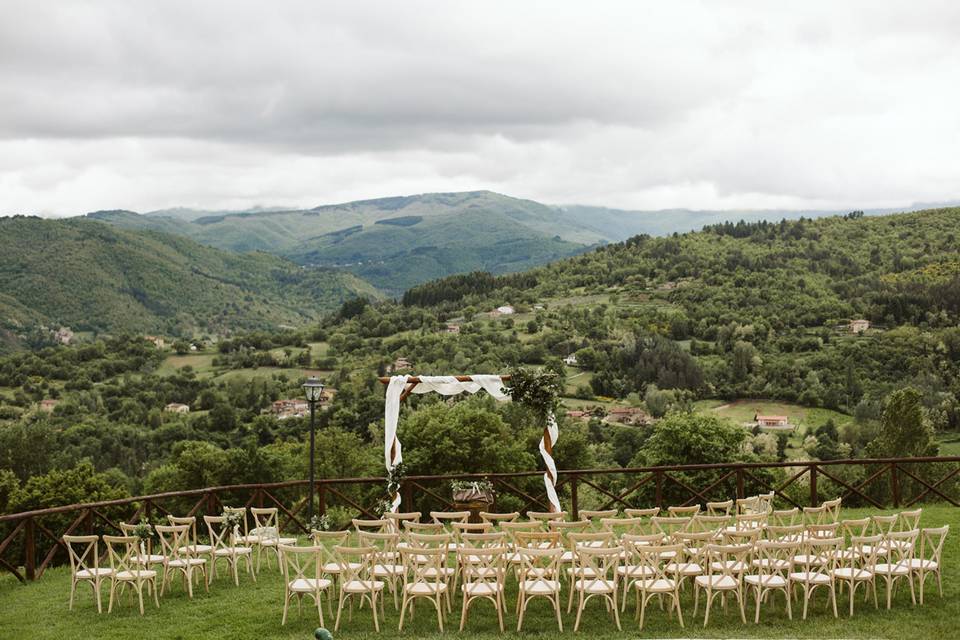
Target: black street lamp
313,389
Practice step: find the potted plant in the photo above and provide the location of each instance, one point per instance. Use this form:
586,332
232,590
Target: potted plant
320,523
143,532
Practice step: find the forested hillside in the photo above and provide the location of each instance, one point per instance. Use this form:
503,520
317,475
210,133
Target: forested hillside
93,277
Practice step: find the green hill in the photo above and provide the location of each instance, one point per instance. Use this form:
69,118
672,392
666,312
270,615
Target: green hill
94,277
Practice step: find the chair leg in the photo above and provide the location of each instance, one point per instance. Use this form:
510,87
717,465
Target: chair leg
373,605
580,603
676,600
96,591
556,607
463,611
439,605
336,625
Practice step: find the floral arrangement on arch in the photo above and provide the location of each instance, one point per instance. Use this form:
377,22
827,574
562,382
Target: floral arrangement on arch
472,490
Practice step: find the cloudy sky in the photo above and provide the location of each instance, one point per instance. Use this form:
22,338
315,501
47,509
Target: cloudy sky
146,105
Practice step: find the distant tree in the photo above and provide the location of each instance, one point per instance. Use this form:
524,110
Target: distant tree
904,429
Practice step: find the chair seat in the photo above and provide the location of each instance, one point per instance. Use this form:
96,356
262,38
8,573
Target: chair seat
887,569
767,581
387,570
581,572
308,585
180,563
426,588
922,563
662,585
362,586
595,586
272,542
882,550
716,582
684,568
541,587
635,571
482,588
808,560
139,574
197,549
567,557
735,566
772,563
333,567
232,551
811,577
89,574
445,572
148,559
848,573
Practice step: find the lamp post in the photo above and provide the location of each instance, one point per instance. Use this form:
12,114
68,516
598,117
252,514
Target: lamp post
313,389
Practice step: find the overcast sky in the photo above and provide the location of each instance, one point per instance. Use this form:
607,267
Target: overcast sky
146,105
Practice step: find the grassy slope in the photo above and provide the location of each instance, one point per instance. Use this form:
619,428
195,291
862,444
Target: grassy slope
39,611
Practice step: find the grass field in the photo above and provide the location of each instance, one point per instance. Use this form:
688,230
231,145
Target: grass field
39,611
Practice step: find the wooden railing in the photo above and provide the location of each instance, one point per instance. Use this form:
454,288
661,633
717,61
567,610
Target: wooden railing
32,540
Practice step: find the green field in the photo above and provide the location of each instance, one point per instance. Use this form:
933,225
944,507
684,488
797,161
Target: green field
744,410
39,611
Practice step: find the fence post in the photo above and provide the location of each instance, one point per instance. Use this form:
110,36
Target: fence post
322,499
574,499
895,484
407,494
659,494
739,483
211,510
814,499
146,510
30,549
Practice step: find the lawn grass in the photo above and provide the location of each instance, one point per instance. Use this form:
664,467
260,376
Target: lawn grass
252,610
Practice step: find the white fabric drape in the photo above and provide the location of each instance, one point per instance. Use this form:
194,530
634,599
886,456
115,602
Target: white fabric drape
450,386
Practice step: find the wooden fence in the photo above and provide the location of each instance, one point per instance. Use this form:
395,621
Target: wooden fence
32,541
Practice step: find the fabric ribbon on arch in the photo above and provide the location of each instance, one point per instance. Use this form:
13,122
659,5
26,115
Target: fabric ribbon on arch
399,387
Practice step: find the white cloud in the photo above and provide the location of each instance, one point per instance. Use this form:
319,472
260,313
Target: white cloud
145,105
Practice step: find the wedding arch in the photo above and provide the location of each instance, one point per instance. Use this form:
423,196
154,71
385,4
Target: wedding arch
399,389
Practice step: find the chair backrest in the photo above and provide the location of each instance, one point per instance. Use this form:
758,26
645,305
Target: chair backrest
750,504
931,543
882,525
683,512
632,543
620,526
589,539
909,519
424,565
537,539
397,519
721,508
564,528
597,514
482,565
902,546
702,523
815,515
774,558
694,542
833,508
785,517
429,540
243,518
513,528
301,563
819,555
855,528
745,521
656,561
173,539
83,556
823,531
220,536
546,516
460,528
355,564
498,518
597,565
266,522
483,540
862,552
375,526
121,550
385,545
741,537
670,526
646,512
726,560
447,517
793,532
427,528
325,541
765,502
129,529
539,566
187,520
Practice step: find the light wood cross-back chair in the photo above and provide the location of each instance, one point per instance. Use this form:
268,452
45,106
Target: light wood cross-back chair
702,523
668,527
882,525
747,521
721,508
771,567
302,576
224,546
511,529
785,533
386,565
372,526
442,541
85,566
324,542
244,537
126,571
630,526
460,528
899,549
424,579
656,578
721,576
833,509
907,521
683,512
689,563
498,518
928,560
174,542
356,581
596,575
749,504
564,529
484,573
266,523
194,547
785,517
815,568
574,541
546,516
145,554
855,564
815,515
632,568
646,512
447,518
397,519
538,577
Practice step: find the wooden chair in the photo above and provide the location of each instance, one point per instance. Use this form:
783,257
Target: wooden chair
193,548
356,581
538,577
815,515
442,541
689,563
125,570
397,519
929,560
425,579
324,542
629,526
721,508
702,523
447,518
833,509
670,526
385,565
899,547
854,566
266,524
573,541
815,567
302,576
225,547
371,526
632,567
85,566
596,575
244,537
546,516
145,555
721,576
647,512
656,578
174,542
496,519
794,533
785,517
483,570
683,512
772,565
